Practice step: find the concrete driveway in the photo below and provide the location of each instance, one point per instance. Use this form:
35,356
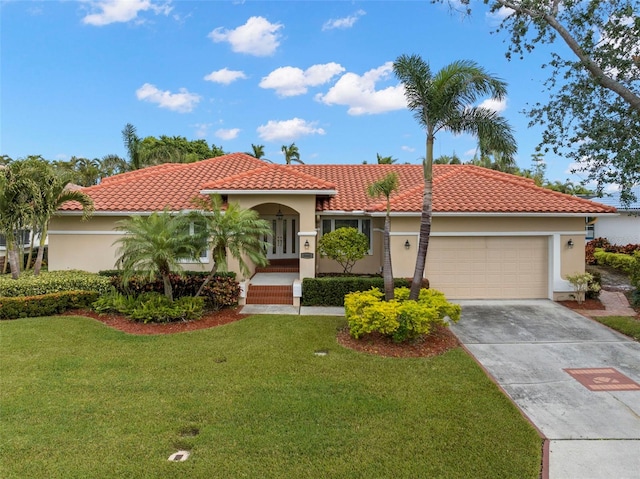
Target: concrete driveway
593,429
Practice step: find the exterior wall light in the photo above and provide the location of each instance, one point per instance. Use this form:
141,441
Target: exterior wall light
306,244
407,245
570,243
279,215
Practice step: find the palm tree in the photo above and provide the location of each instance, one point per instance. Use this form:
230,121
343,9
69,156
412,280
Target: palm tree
235,231
112,165
385,160
257,151
54,192
18,201
156,244
291,153
132,143
385,187
444,102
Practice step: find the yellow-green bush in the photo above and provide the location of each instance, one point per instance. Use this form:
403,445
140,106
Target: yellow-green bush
623,262
401,318
49,282
45,304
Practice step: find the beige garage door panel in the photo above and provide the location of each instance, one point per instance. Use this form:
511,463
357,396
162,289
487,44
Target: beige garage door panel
489,267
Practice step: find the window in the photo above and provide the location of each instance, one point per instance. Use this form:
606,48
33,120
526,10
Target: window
361,224
204,254
590,231
23,238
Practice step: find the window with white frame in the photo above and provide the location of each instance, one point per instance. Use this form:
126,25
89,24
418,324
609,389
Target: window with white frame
204,253
361,224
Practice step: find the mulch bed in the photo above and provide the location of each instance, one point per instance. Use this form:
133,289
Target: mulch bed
120,322
440,340
587,304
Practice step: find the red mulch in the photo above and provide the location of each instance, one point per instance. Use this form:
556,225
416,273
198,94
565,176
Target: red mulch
437,342
118,321
587,304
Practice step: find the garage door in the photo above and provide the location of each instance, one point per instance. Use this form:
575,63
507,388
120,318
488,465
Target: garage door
489,267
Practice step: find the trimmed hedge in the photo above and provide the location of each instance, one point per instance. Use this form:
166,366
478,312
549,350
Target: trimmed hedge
48,282
621,261
603,244
222,291
330,291
45,304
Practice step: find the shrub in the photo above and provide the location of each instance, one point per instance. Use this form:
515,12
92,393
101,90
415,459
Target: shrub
151,307
45,304
593,292
623,262
401,319
222,291
582,282
344,245
331,291
52,282
605,245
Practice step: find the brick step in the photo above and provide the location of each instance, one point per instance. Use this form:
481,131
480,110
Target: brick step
259,294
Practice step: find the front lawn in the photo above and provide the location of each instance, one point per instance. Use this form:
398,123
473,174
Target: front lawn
249,399
624,324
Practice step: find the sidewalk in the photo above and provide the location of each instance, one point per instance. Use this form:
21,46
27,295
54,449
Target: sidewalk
615,304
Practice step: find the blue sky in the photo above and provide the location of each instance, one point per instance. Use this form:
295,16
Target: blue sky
316,73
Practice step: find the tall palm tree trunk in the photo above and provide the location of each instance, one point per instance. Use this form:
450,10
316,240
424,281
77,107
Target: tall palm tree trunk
425,221
12,255
387,270
40,255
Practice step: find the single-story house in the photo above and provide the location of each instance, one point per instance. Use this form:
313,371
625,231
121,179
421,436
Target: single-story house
494,235
621,229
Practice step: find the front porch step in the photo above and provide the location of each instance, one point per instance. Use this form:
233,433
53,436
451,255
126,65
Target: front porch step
260,294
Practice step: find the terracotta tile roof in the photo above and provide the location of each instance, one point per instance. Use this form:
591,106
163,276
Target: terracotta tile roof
456,188
270,177
168,185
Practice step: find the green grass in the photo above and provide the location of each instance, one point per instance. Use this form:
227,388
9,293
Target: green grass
623,324
80,400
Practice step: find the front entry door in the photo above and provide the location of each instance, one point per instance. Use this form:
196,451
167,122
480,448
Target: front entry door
283,240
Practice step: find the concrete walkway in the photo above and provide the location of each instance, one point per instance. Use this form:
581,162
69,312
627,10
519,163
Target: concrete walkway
289,309
615,304
528,347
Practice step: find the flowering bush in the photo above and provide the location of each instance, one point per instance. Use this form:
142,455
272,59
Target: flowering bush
400,318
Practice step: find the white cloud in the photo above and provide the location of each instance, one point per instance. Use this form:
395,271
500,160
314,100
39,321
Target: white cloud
202,129
257,37
494,105
291,81
499,15
227,134
360,95
225,76
407,148
342,23
114,11
288,130
182,102
470,153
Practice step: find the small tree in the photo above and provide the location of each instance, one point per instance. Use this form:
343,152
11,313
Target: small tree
156,244
235,232
582,282
386,187
344,245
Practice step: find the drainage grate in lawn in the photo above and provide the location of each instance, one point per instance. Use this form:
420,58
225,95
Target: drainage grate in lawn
603,379
179,456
